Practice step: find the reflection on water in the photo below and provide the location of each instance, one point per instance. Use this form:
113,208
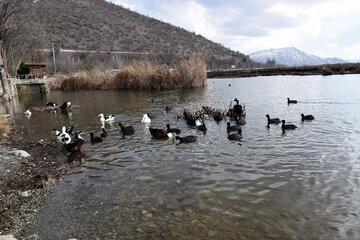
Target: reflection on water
303,184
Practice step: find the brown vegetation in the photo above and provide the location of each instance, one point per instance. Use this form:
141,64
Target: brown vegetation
188,73
4,125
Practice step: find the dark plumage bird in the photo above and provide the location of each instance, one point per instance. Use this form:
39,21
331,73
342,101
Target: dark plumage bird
65,105
69,130
206,109
218,117
51,104
287,126
240,121
307,117
291,101
95,139
168,109
235,136
187,139
232,128
160,133
272,120
76,144
127,130
193,121
238,108
202,127
104,133
172,130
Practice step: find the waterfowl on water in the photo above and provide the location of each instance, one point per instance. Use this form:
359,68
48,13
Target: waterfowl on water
202,127
51,104
291,101
145,118
104,133
95,139
193,121
240,121
168,109
63,137
287,126
172,130
27,112
187,139
127,130
76,144
238,108
69,130
65,105
160,133
232,128
307,117
272,120
109,118
235,136
218,117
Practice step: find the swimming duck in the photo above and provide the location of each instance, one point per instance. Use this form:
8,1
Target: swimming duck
218,117
240,121
65,105
174,130
95,139
160,133
202,127
146,118
193,121
51,104
27,112
104,133
287,126
168,109
109,118
69,130
76,144
235,136
272,120
307,117
232,128
291,101
238,108
187,139
127,130
63,137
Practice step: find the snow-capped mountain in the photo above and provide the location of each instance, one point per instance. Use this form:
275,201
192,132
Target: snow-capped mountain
291,56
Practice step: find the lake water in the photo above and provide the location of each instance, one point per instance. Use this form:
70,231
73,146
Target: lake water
303,184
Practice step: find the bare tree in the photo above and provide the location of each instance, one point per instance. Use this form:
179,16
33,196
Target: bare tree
12,19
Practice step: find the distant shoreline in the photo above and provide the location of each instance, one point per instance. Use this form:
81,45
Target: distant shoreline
325,70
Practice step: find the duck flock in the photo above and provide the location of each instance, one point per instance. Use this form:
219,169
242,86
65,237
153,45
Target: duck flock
196,120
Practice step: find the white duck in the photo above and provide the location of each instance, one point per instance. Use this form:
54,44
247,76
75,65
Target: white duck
145,118
63,137
109,118
27,112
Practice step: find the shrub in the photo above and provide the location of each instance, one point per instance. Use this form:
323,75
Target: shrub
23,70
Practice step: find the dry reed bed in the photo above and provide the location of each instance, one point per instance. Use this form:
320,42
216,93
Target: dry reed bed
188,73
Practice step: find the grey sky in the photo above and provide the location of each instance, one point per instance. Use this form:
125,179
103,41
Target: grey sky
327,28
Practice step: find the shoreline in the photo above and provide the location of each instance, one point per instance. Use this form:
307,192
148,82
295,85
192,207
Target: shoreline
26,181
325,70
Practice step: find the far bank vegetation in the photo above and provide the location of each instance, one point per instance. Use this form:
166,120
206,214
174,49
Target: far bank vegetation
142,74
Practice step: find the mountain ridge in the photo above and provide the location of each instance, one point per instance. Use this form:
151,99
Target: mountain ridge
291,56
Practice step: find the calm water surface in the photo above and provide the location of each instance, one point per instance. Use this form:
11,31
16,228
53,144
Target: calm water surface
303,184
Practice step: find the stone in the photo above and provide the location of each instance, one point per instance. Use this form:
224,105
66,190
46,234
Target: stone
20,153
7,237
25,194
33,237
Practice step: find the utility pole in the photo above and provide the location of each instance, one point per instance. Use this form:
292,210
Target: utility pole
53,52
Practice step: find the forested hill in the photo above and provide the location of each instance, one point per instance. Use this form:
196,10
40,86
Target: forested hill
100,25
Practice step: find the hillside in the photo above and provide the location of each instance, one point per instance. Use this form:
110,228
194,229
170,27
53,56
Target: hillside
291,56
100,25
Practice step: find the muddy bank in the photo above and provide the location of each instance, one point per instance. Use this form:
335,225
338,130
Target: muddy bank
25,182
328,69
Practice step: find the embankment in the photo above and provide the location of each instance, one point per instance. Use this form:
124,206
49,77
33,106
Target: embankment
328,69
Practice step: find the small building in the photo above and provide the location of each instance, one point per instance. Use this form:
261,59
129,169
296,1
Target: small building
36,69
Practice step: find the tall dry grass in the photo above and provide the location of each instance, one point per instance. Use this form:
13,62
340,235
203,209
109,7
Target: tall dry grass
188,73
4,125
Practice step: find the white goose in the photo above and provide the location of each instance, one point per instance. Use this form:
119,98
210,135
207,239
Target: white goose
145,118
109,118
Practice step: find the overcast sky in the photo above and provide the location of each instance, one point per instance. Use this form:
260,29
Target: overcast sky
327,28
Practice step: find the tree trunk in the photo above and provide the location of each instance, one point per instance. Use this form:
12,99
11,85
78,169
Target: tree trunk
4,83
